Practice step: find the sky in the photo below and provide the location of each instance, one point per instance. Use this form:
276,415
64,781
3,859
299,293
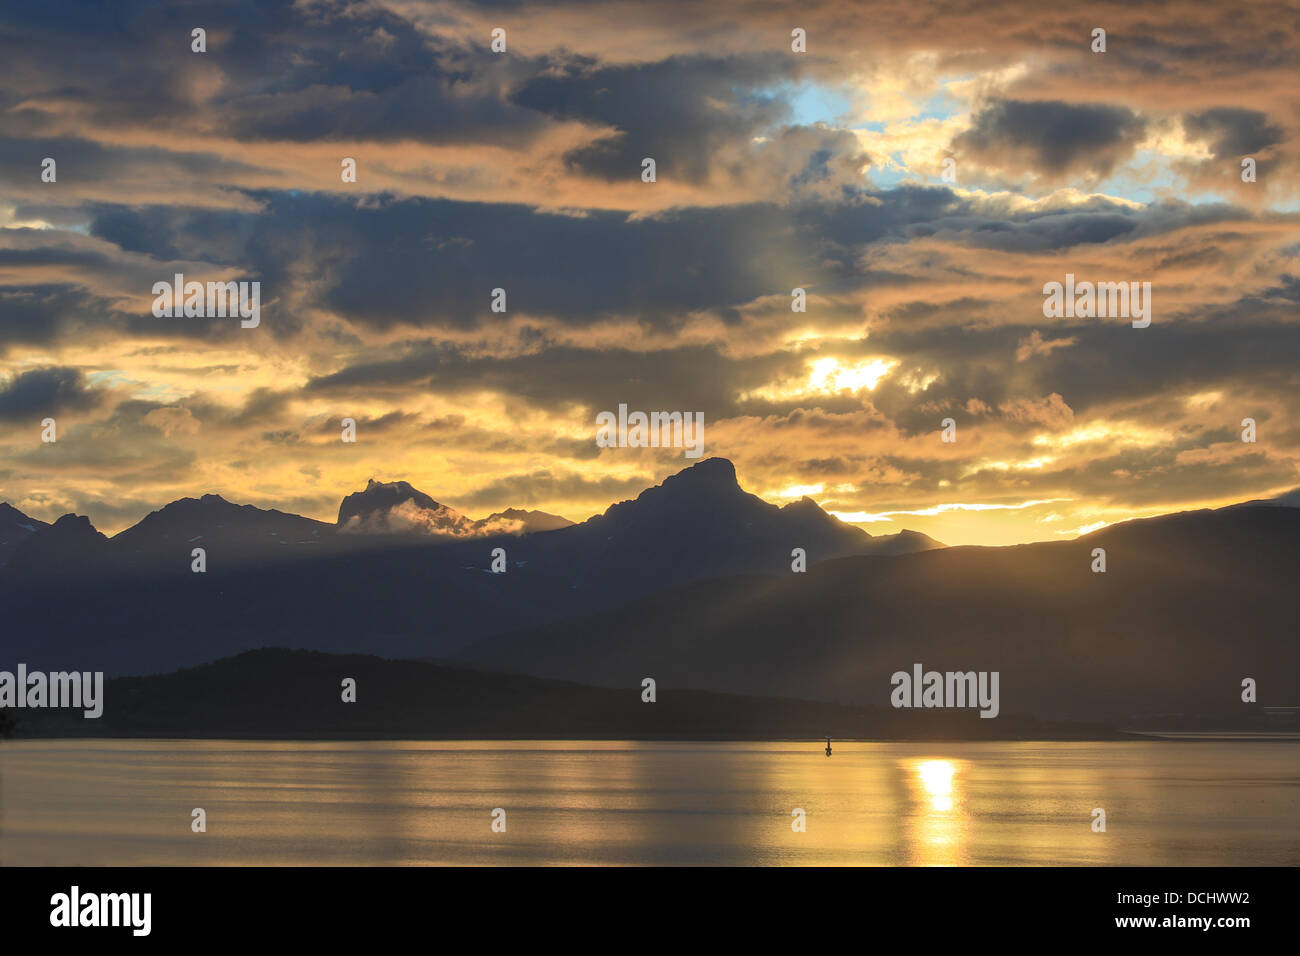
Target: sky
775,169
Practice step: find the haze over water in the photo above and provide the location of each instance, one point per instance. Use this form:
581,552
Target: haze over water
73,802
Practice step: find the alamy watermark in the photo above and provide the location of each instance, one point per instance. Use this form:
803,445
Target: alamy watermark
1102,300
923,688
74,689
685,430
211,300
74,909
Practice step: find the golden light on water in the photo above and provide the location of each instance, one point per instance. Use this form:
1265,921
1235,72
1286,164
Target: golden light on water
936,775
940,825
592,803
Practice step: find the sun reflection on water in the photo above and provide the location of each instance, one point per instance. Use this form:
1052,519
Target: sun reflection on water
940,823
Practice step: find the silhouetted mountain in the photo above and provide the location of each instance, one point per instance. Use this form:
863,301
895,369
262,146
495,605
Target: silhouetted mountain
519,521
281,580
690,583
1291,499
70,545
700,524
298,695
229,532
1190,604
15,528
397,508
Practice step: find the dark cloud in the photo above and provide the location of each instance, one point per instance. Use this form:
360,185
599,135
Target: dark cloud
435,263
163,232
286,71
682,379
36,315
1052,137
88,163
421,261
262,404
679,111
46,391
1232,132
392,421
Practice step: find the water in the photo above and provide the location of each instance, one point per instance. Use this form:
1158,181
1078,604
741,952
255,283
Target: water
130,802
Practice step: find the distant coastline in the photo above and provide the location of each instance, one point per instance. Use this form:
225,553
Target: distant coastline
278,694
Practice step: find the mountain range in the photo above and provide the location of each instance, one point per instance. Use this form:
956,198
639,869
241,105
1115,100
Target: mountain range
690,583
378,581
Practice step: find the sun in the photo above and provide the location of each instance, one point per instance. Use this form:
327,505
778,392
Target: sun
936,777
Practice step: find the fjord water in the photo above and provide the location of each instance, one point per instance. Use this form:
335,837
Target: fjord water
129,802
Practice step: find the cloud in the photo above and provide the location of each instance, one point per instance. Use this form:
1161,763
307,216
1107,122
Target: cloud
681,111
1050,412
172,421
776,170
1050,139
1233,132
408,517
1034,344
40,392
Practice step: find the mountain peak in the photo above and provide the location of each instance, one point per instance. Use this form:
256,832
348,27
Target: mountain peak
72,524
210,521
385,494
711,472
706,485
522,521
395,507
72,541
392,487
189,506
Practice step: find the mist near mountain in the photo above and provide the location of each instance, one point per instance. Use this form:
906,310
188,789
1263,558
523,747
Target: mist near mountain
385,508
